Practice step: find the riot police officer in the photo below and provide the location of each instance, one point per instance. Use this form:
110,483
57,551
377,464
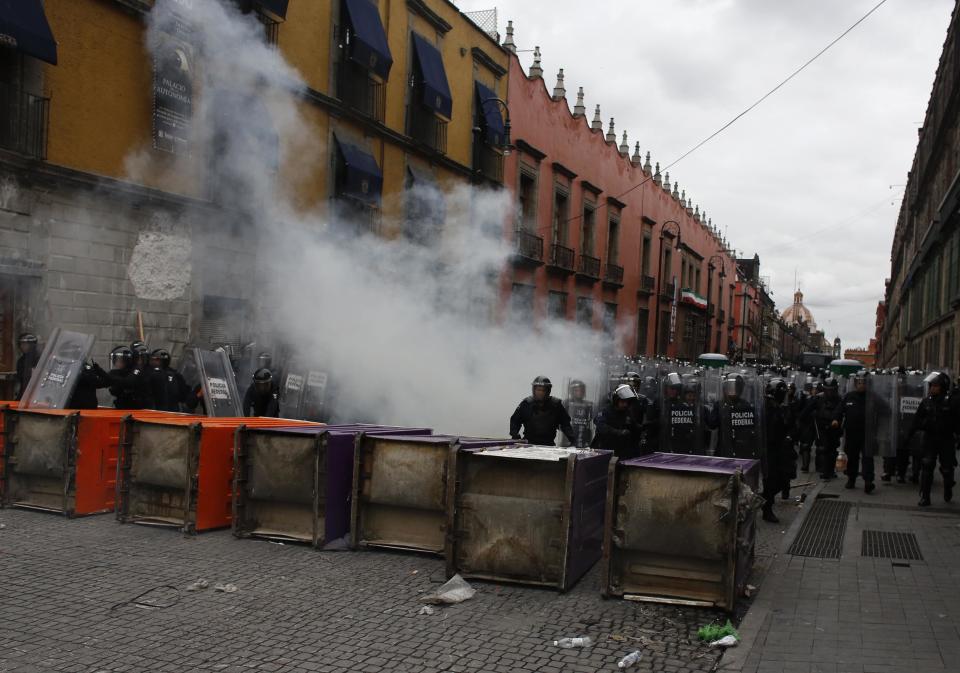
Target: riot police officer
168,387
738,420
820,414
581,413
682,422
540,416
129,384
92,377
939,420
778,460
852,416
803,432
29,357
620,425
263,396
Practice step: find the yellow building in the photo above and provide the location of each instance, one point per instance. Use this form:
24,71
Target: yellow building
97,156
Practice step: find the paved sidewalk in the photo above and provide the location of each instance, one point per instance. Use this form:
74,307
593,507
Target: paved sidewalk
860,614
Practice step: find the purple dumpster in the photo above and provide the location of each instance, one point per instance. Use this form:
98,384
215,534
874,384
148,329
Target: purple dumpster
400,490
680,529
294,483
527,514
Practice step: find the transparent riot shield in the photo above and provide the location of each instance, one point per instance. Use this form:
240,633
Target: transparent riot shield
55,376
882,418
910,392
682,415
577,402
316,391
291,392
220,394
741,419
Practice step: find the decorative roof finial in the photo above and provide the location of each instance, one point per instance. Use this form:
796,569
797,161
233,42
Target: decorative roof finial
624,145
559,91
611,133
597,124
636,158
647,167
666,182
579,110
696,213
508,43
535,70
676,190
657,178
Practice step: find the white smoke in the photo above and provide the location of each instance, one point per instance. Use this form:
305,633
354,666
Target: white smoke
406,331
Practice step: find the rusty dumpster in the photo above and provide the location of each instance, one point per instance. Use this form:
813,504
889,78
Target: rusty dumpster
9,404
400,490
680,529
294,483
179,472
527,514
64,460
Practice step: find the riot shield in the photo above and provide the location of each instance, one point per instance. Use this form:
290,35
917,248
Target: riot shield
909,396
882,419
581,410
220,394
55,376
682,415
291,392
315,405
741,420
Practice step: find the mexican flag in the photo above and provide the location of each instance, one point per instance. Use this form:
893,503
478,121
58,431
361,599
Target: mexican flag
690,297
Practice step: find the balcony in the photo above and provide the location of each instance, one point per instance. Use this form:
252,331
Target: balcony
24,121
589,268
529,249
488,161
668,290
613,276
361,92
428,129
562,259
647,285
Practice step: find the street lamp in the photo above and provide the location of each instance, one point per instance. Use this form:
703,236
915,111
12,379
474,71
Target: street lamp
505,144
723,274
663,227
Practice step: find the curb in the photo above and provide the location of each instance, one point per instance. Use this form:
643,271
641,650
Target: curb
735,658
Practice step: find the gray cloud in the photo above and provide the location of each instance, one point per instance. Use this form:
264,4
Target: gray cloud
818,155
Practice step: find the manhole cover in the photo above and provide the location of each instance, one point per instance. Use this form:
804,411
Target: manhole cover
821,535
884,544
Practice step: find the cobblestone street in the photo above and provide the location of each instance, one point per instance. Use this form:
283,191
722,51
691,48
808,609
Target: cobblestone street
76,596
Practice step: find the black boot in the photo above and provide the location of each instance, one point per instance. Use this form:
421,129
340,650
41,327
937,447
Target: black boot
851,482
868,487
768,515
947,492
924,500
785,494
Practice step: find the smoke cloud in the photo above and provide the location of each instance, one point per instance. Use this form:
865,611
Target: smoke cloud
406,331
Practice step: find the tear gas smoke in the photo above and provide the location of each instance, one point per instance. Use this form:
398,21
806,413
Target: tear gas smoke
404,329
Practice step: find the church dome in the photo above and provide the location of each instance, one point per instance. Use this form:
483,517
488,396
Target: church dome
798,313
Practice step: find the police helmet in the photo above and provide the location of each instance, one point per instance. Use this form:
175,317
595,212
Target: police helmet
121,355
542,382
162,357
733,385
831,384
624,392
937,378
28,338
777,388
673,381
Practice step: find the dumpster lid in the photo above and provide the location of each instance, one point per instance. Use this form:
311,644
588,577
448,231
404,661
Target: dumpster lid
545,453
688,463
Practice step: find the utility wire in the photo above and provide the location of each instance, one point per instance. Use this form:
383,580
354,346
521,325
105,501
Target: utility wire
749,109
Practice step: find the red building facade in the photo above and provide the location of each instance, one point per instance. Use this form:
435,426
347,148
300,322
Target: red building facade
603,238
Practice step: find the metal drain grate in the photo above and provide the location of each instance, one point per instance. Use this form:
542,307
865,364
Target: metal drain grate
821,535
884,544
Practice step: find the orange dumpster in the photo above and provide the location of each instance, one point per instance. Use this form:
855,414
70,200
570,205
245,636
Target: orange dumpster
64,460
179,471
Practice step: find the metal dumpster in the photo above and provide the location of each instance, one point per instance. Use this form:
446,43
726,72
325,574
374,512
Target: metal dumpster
179,471
294,483
64,460
400,490
680,528
527,514
10,404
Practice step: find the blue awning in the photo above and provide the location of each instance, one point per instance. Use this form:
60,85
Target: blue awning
436,90
492,119
23,25
363,179
368,46
276,7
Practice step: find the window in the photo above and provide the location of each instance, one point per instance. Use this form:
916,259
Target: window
357,185
645,253
527,200
585,311
267,14
609,318
683,272
613,240
589,228
643,322
222,321
490,133
696,281
521,303
667,271
364,60
557,305
425,207
561,209
431,103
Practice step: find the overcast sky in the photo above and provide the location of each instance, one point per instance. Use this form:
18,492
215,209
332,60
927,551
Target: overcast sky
804,180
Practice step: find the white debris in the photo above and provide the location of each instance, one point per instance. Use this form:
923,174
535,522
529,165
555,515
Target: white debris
726,641
225,588
629,660
567,643
456,590
199,585
427,610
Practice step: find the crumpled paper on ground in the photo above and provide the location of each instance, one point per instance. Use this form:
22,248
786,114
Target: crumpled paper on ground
456,590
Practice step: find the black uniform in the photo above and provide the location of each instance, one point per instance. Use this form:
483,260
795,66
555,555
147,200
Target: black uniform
581,418
778,461
683,433
939,420
622,430
852,415
25,366
803,433
169,390
739,432
91,378
818,416
262,404
540,421
130,388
